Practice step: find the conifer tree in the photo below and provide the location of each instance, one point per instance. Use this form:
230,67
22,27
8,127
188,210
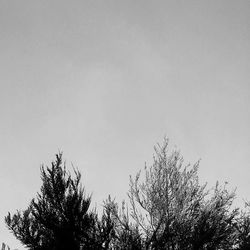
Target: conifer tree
173,211
58,217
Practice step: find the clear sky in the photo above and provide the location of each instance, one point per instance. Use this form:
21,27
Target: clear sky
104,81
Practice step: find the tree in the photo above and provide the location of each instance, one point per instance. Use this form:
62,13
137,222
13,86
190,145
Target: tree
125,234
102,230
169,209
243,229
214,227
173,211
58,218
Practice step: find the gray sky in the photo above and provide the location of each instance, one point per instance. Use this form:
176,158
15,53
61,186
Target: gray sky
104,81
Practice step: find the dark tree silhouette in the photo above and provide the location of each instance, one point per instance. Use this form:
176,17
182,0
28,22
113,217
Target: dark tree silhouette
58,218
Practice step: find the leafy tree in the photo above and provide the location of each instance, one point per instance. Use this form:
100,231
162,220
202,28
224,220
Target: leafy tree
214,227
169,209
125,235
58,218
243,229
173,211
103,229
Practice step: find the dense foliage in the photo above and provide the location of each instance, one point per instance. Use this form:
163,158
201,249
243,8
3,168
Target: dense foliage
168,209
58,218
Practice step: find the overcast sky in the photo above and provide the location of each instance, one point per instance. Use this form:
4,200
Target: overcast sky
104,81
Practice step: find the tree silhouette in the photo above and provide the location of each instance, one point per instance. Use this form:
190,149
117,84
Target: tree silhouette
169,209
58,218
125,235
243,228
173,211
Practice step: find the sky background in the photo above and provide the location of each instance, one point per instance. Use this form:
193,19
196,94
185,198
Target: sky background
104,81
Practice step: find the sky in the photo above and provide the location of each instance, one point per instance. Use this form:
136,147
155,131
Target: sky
104,81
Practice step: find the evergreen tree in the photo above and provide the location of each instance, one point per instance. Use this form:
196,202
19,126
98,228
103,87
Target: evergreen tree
243,229
58,218
173,211
169,209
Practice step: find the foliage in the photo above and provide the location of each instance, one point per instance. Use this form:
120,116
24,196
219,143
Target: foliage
58,218
168,209
125,234
174,211
243,229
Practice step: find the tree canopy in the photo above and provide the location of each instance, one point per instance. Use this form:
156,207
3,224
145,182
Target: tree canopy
168,208
58,218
